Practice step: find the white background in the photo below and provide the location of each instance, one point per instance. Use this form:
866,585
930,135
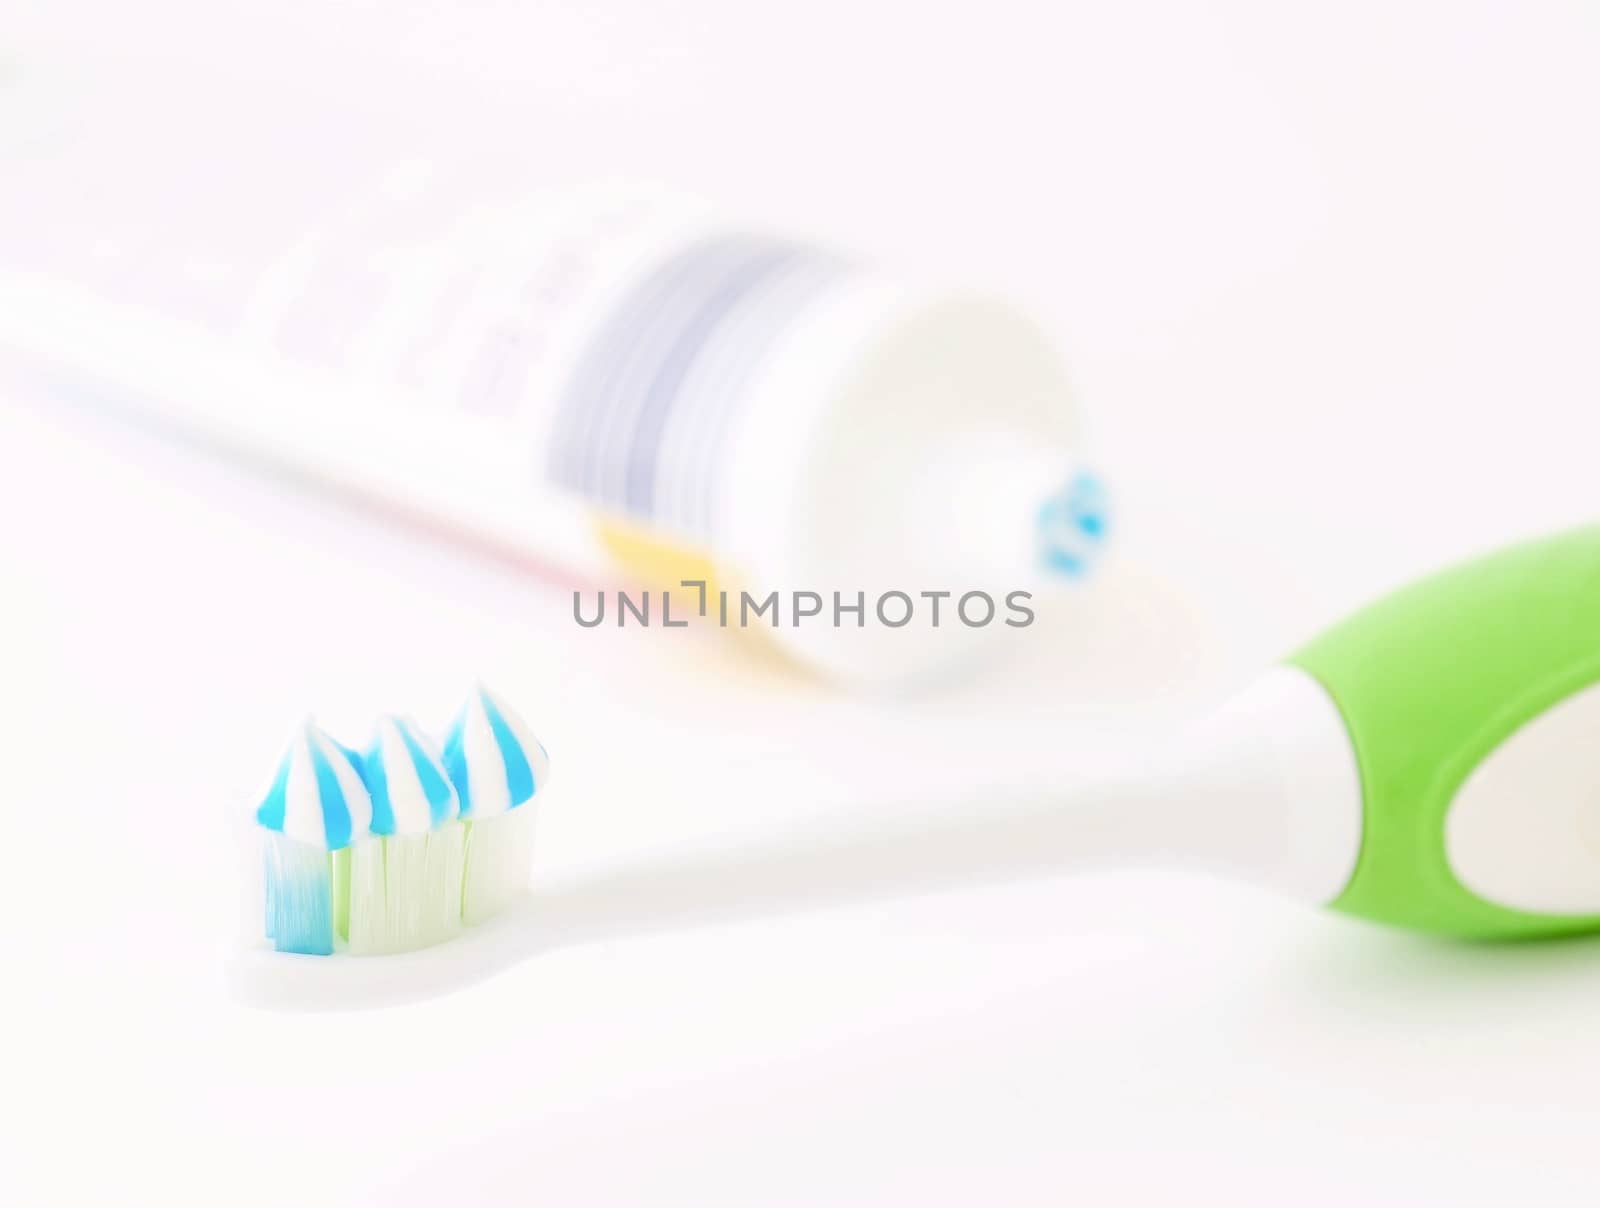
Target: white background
1327,276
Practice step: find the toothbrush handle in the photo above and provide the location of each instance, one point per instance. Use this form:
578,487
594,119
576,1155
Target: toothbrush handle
1468,698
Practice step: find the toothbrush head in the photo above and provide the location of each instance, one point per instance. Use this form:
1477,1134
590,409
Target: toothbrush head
396,847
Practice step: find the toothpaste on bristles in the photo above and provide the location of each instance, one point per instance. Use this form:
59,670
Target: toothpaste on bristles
405,874
497,766
317,805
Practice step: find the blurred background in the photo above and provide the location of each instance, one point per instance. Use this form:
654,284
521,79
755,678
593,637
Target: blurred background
1323,279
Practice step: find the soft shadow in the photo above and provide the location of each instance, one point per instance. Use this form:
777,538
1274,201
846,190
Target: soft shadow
1357,962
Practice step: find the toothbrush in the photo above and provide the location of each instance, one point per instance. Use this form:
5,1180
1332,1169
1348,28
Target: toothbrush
1432,763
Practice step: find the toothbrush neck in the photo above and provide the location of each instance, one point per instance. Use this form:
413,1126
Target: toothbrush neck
1266,789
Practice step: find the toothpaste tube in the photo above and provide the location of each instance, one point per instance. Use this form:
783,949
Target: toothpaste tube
605,384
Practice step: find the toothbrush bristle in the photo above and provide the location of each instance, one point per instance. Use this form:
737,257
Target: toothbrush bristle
499,852
405,891
299,896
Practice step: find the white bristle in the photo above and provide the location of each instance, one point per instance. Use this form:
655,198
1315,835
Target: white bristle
499,854
447,848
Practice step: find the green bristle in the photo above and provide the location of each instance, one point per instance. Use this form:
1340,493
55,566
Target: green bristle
404,891
445,869
341,893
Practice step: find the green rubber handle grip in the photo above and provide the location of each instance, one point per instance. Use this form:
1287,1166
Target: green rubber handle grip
1430,681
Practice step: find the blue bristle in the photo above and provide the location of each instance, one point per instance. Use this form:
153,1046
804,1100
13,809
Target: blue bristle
299,897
